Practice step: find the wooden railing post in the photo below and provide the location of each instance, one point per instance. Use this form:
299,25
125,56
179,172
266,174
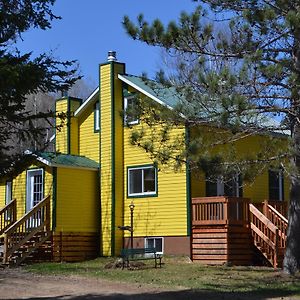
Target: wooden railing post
276,249
47,216
265,207
226,210
5,245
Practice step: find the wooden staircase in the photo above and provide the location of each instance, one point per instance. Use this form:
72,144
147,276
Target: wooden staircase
24,237
269,231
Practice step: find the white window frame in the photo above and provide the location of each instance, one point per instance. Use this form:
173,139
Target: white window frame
142,193
126,99
8,192
97,117
155,237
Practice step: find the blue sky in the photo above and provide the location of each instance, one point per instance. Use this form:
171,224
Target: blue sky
90,28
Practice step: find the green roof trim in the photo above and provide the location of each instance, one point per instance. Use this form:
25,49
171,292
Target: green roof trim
59,159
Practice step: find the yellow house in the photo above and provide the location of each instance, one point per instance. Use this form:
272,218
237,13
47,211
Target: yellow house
80,195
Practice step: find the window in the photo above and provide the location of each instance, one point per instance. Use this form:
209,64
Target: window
8,192
276,185
97,117
231,188
156,243
142,181
131,113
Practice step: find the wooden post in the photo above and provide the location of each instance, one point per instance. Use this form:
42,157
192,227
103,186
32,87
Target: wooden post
226,210
5,248
276,249
14,212
265,208
48,215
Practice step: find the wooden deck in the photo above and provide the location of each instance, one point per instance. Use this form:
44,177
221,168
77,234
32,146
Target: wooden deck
220,231
225,230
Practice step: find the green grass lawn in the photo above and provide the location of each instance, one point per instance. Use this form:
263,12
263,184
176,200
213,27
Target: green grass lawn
180,273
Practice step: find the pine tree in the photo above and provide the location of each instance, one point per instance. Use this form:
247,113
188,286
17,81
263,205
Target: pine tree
21,75
238,67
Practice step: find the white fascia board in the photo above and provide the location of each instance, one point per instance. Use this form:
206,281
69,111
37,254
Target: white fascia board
52,137
144,92
86,103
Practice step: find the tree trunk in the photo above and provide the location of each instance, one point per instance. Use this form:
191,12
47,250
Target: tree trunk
291,263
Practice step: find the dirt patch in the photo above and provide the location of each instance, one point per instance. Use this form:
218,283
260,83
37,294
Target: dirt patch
19,284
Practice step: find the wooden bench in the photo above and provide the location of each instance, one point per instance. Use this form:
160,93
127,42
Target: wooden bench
133,254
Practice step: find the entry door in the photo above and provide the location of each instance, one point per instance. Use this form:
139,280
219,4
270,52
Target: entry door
35,188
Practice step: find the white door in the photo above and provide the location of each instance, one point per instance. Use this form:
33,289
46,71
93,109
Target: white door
35,188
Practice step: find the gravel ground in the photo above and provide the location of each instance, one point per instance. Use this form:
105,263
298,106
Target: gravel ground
18,284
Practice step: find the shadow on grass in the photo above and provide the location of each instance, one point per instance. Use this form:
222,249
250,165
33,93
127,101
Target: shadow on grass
178,295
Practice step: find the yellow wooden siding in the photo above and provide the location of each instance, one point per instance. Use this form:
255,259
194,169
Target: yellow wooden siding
106,175
2,193
258,190
77,202
166,214
61,138
198,185
74,136
119,158
88,138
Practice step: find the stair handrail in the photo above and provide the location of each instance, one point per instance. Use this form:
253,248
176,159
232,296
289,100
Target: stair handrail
8,215
280,221
261,233
35,220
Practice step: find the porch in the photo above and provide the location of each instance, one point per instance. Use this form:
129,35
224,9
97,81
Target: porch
232,230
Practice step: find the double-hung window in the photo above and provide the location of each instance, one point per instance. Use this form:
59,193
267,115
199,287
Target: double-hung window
142,181
155,242
97,117
130,107
276,185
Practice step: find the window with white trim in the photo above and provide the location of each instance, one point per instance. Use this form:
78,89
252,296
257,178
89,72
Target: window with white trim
231,187
276,185
8,192
97,117
142,181
130,107
155,242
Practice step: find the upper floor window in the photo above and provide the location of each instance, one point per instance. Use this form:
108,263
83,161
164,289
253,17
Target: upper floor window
97,117
130,107
8,192
142,181
232,187
276,185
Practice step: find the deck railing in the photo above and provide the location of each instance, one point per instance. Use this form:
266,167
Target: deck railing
265,235
220,210
8,215
279,221
36,220
280,206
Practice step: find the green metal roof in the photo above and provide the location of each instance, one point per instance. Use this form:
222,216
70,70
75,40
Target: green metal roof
59,159
168,96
